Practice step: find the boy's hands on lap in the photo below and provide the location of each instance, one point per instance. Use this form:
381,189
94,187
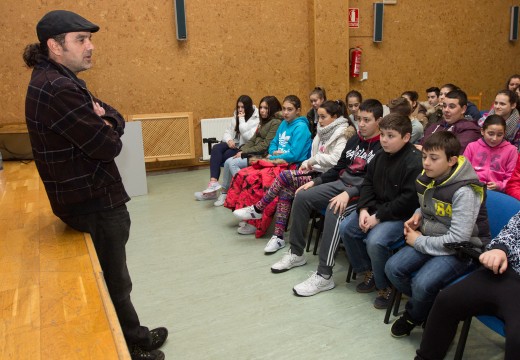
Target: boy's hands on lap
411,234
339,202
414,222
495,260
367,221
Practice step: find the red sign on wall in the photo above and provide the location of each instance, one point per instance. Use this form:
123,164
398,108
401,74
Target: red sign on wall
353,18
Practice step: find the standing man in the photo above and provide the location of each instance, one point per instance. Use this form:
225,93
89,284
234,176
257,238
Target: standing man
75,138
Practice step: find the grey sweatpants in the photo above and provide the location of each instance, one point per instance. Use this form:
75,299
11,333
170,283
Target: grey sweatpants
317,198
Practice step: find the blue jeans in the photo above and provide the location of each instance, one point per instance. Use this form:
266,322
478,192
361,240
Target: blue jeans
422,276
231,167
219,154
370,251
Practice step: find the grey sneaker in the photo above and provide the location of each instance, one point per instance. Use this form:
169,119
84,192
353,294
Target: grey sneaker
212,186
200,196
247,229
274,244
221,200
313,285
247,213
288,261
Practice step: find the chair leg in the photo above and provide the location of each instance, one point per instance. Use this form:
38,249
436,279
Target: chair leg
311,231
394,302
349,273
317,240
398,297
462,339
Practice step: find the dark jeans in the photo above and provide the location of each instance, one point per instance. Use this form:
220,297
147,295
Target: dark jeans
110,231
481,293
219,154
422,276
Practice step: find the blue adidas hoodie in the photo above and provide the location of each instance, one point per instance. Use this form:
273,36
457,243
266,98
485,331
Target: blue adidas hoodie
294,139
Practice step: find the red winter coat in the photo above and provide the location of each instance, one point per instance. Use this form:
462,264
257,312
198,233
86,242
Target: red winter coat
249,185
513,185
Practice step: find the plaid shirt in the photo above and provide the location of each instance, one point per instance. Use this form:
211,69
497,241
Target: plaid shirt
73,147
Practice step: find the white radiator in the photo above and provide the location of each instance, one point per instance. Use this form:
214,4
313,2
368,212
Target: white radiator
212,128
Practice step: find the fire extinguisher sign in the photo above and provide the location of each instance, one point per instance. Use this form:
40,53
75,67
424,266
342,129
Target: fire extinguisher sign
353,18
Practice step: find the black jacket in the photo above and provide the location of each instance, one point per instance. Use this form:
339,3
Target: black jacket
389,186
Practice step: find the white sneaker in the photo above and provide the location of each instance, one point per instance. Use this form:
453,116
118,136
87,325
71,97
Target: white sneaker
221,200
242,223
212,186
247,213
313,285
209,196
247,229
274,245
288,261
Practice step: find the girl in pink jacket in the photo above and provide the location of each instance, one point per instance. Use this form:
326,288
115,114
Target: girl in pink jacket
492,157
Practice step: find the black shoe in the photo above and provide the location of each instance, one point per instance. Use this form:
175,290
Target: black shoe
403,326
159,336
137,353
368,284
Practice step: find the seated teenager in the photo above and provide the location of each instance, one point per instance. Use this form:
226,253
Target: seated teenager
492,157
327,146
418,110
453,107
404,107
513,82
433,106
353,100
317,97
387,199
289,148
471,113
505,106
491,290
333,191
270,119
513,185
452,209
241,128
517,92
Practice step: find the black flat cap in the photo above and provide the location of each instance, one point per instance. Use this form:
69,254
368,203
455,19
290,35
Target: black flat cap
62,21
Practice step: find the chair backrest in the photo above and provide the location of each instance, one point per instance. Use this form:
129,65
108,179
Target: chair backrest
500,208
476,99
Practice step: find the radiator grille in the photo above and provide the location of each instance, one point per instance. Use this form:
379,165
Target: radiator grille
212,128
167,136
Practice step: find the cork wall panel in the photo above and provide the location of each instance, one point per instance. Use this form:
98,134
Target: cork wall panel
331,47
428,43
233,48
272,47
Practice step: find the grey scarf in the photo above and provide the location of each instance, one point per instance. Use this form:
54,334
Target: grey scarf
326,132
